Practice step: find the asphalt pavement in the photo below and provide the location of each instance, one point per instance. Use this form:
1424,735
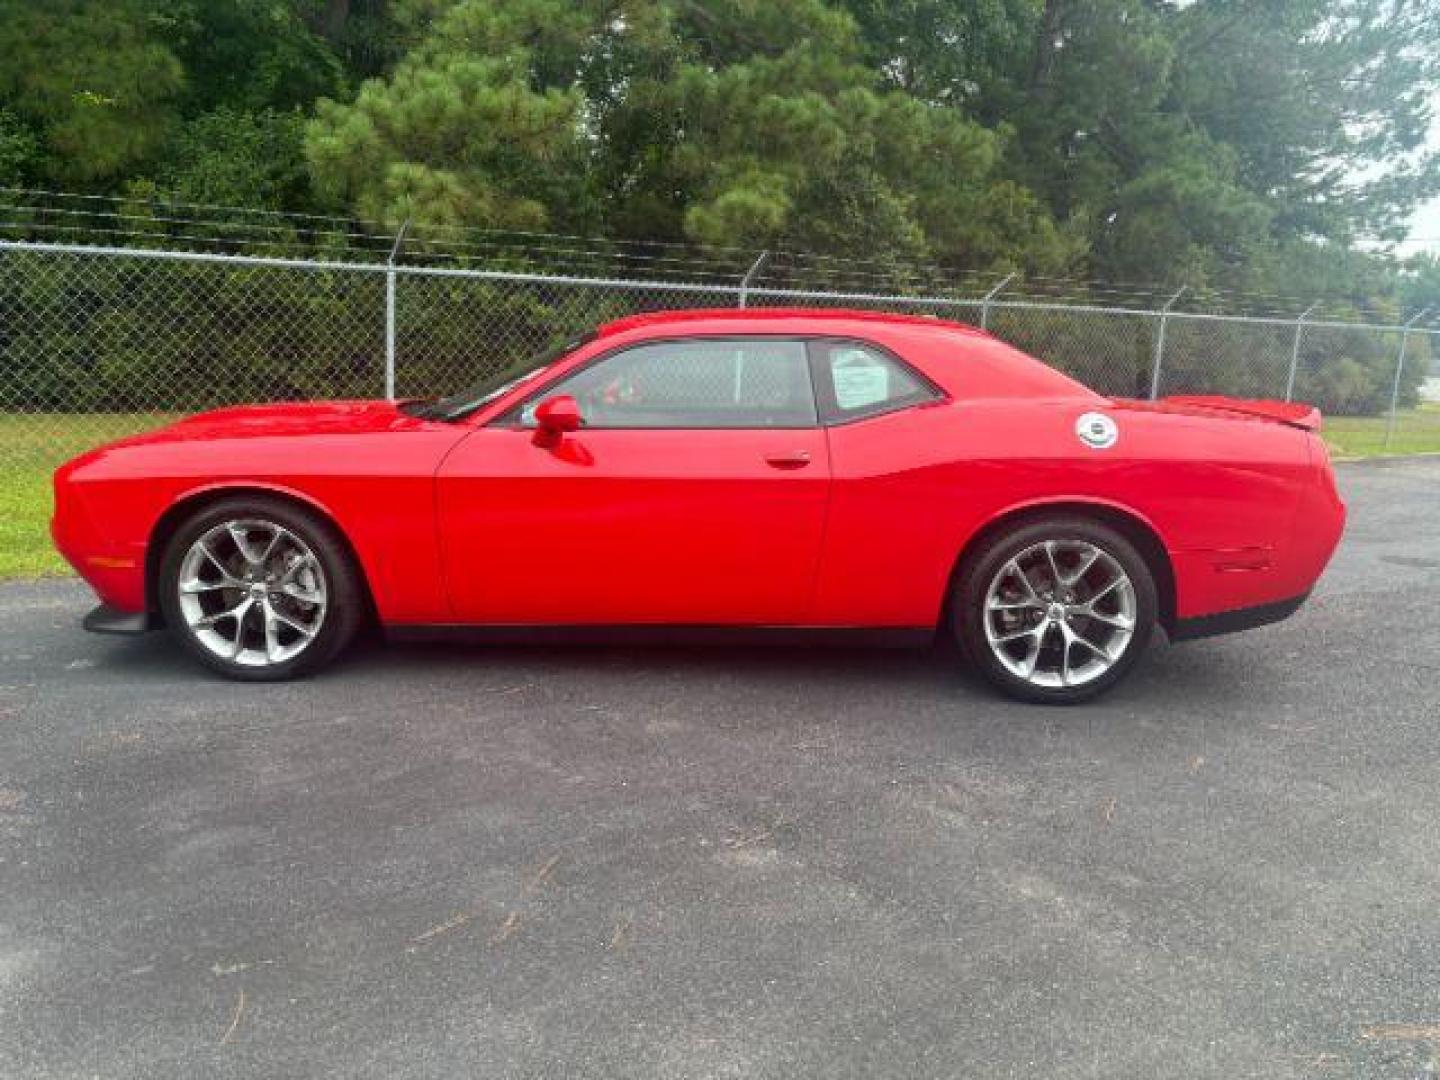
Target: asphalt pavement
604,862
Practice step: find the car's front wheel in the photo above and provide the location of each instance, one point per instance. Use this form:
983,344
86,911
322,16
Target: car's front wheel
259,590
1056,611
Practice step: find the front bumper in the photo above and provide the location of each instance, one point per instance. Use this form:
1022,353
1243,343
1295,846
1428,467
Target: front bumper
115,571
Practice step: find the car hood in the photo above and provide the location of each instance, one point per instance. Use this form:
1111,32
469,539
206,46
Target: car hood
296,418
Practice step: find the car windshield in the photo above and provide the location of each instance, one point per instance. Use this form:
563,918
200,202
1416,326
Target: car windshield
482,393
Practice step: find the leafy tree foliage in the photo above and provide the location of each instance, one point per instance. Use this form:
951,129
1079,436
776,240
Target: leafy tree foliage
727,124
94,81
230,157
1199,142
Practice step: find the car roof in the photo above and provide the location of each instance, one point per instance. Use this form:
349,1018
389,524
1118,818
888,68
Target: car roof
991,368
663,320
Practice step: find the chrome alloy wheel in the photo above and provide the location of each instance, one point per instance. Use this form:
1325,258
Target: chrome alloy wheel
1060,613
252,592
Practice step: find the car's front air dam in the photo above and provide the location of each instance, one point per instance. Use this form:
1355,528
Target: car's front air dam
104,619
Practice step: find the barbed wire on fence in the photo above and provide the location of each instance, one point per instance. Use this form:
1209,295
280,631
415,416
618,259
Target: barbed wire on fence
150,221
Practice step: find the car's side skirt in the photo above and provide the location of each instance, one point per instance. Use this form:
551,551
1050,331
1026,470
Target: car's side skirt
105,619
1230,622
902,637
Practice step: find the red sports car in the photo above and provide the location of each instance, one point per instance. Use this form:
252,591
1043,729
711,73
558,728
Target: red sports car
796,473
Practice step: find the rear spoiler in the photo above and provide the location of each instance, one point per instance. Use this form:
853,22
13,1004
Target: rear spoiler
1293,413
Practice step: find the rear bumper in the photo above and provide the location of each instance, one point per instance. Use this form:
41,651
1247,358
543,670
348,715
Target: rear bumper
1231,622
104,619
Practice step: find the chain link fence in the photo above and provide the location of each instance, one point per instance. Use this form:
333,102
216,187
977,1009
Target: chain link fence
96,342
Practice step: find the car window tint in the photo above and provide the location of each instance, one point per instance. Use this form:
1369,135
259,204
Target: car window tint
865,380
696,384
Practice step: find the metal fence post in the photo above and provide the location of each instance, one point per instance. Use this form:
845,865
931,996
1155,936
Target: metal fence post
390,311
1160,343
985,303
1399,370
750,276
1295,352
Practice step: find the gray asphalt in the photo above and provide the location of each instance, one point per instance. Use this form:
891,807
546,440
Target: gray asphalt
651,863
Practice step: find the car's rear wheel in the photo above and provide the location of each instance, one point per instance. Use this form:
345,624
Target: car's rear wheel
260,590
1056,611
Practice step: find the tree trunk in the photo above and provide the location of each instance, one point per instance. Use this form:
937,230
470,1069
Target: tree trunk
1045,40
337,13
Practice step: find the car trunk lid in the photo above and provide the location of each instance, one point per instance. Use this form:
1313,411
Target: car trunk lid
1291,413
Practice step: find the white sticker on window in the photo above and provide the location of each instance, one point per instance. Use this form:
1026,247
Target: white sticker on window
859,382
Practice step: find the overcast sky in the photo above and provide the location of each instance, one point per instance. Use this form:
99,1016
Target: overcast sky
1425,229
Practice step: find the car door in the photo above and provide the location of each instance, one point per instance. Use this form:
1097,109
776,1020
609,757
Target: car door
886,557
694,493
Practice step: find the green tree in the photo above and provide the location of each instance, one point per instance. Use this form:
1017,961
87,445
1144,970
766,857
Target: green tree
965,53
1420,285
19,151
93,79
232,157
1326,104
736,123
254,55
1193,138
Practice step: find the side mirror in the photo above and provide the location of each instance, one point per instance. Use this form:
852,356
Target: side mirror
554,417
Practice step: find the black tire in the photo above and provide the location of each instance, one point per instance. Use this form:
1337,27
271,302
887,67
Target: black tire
344,610
980,570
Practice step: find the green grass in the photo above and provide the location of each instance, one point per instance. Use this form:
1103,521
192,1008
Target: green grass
30,449
1417,431
32,446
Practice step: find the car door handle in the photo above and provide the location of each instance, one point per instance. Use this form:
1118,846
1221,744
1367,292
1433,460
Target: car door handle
788,459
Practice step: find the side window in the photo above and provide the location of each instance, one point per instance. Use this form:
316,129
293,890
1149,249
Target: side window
701,383
864,381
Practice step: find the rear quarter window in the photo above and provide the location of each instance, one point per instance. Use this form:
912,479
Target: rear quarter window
859,380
